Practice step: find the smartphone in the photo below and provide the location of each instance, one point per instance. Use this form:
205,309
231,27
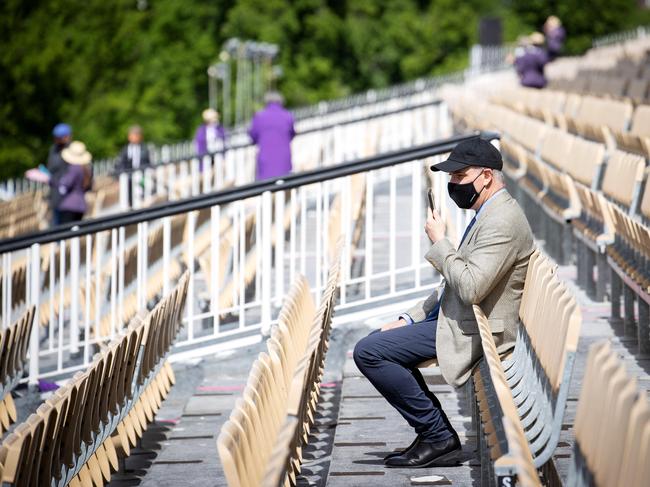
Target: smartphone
432,203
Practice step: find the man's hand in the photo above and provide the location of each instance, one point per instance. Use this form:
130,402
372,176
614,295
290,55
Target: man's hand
393,324
434,227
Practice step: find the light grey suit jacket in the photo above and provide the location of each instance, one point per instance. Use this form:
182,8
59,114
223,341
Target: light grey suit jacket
489,269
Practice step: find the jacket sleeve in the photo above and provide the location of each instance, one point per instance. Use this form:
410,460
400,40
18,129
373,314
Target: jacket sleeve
420,311
68,181
144,156
473,277
253,131
122,161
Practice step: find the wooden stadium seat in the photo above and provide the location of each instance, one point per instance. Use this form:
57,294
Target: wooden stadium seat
612,425
14,342
544,354
279,402
630,278
637,140
76,435
637,90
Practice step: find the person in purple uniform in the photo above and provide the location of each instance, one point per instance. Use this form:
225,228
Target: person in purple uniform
206,139
530,61
555,36
74,183
272,130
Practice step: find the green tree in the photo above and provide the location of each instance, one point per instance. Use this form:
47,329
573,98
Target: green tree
104,65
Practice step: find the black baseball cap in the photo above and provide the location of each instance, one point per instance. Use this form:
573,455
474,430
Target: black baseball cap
473,152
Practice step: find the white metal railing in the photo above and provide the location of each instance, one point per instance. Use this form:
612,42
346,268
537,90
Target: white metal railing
333,139
242,256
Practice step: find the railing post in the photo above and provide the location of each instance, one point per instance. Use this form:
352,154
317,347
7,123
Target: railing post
215,220
167,242
266,262
416,218
74,295
279,247
124,191
35,299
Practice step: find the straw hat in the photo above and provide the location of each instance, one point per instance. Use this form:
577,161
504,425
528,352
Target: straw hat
210,115
552,22
76,154
536,38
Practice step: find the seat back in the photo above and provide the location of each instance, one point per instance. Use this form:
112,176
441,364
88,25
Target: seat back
612,425
584,161
622,177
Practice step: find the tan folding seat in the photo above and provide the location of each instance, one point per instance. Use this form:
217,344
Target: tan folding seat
637,90
638,138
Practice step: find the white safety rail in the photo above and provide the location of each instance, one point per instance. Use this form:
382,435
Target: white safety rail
242,255
341,136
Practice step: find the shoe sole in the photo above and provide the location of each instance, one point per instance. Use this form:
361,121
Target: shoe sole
436,462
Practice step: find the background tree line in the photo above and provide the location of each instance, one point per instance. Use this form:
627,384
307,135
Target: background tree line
102,65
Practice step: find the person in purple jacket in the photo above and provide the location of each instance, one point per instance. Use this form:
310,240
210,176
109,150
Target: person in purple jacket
74,183
272,130
530,61
555,36
209,133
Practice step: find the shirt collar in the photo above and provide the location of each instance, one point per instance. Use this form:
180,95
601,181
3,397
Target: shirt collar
488,201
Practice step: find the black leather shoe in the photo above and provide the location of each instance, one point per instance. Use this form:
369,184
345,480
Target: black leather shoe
404,451
425,454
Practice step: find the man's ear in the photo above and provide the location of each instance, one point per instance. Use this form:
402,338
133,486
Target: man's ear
490,177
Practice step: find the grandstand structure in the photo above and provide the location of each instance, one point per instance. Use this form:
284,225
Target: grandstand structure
209,261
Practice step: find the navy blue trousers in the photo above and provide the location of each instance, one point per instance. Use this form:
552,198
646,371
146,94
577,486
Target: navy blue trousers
389,360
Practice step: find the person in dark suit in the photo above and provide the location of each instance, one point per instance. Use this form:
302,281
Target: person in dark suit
487,268
134,155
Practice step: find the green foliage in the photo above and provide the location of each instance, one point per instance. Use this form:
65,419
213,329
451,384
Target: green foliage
104,65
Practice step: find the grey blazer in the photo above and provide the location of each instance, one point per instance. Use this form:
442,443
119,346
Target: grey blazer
489,269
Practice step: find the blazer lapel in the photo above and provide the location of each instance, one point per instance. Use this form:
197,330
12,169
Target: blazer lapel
498,200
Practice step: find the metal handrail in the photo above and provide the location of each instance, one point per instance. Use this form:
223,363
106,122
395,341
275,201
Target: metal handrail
222,197
248,143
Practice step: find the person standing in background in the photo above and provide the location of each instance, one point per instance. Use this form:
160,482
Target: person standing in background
134,155
56,166
74,183
555,36
531,61
209,133
272,130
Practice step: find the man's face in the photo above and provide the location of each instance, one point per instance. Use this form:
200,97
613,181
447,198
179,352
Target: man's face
135,137
63,140
466,175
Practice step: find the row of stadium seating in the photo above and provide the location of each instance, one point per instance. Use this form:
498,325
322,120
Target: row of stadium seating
76,436
262,442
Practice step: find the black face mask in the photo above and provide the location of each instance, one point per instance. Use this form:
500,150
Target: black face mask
464,195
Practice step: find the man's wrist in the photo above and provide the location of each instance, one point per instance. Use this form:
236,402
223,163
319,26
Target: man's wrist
406,318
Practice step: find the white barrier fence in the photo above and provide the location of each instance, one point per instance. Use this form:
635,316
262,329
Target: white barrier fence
374,130
242,256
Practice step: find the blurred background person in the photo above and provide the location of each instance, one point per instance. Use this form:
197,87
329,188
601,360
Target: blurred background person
56,166
530,61
555,36
134,155
209,133
272,130
74,182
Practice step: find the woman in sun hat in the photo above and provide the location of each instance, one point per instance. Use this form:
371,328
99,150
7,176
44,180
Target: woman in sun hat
74,183
209,133
531,61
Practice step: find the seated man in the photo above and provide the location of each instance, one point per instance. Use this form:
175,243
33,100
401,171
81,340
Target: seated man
488,269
